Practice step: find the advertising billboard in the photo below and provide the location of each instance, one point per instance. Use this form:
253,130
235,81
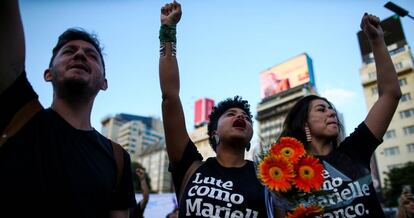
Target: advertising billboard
289,74
203,107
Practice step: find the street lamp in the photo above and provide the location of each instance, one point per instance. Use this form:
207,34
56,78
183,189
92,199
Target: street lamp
398,10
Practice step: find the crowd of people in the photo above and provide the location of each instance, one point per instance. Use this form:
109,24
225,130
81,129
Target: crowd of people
71,170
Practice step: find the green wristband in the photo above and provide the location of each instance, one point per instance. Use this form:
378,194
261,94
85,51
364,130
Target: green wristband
167,33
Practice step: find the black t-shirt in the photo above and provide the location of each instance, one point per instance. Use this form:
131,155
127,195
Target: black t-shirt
217,191
348,183
50,169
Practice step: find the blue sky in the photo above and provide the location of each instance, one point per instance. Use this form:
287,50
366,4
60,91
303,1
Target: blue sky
223,46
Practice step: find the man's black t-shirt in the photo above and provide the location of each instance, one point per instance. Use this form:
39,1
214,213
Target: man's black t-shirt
50,166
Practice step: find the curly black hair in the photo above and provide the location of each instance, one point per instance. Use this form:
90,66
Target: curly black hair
219,110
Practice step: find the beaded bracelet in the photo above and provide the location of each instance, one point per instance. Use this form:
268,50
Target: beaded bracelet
168,35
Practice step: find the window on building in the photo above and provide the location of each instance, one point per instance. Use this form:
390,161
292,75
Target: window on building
407,113
390,134
408,130
398,65
374,90
410,147
391,151
402,82
372,75
405,97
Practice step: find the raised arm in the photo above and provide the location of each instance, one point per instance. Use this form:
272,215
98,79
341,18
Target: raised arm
176,135
144,187
12,51
389,93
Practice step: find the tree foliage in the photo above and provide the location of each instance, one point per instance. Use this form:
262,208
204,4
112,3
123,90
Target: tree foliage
396,179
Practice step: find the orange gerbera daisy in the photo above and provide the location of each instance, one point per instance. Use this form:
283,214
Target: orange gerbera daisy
276,173
289,148
303,212
308,174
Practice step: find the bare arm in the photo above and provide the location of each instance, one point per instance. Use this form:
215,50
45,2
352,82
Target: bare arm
144,186
389,93
176,135
404,200
12,50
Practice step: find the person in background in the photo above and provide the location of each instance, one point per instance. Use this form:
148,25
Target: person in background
230,180
406,205
53,163
313,120
138,210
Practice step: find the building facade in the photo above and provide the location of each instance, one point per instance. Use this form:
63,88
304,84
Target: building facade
155,161
200,138
398,145
281,87
143,138
134,133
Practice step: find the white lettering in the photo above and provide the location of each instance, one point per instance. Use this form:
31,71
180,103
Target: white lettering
203,190
208,210
196,180
218,194
196,207
346,194
191,208
190,191
228,185
365,189
236,198
236,214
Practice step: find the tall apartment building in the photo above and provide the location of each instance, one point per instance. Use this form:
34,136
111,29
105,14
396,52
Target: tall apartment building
155,160
143,138
398,146
134,133
281,86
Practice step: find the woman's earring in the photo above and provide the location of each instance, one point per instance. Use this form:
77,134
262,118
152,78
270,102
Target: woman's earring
308,134
216,139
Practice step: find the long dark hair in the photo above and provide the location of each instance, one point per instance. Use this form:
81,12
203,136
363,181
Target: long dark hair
297,117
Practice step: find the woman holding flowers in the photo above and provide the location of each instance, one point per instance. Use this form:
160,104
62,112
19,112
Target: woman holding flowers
343,188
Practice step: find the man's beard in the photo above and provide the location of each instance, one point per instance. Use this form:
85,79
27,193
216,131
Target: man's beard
74,90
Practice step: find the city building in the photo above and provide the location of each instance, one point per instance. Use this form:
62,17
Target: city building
143,138
398,145
281,86
199,136
134,133
155,161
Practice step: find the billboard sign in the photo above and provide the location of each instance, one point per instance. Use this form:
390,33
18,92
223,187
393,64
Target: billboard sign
289,74
203,108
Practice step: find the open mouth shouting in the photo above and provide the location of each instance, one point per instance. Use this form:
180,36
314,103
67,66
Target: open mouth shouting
240,124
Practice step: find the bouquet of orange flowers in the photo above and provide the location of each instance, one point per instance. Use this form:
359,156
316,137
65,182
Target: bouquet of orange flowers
290,174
